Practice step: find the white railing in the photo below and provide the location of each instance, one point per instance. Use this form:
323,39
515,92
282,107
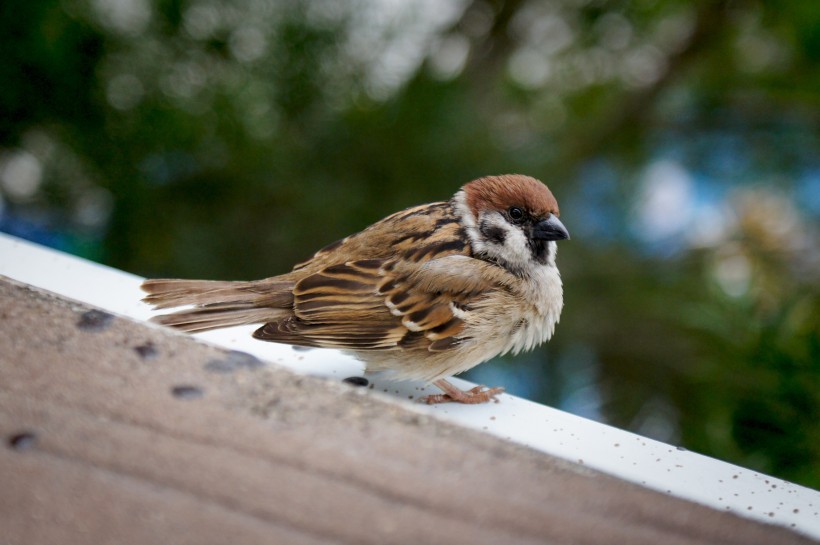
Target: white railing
634,458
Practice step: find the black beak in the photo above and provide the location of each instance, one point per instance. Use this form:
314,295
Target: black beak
550,229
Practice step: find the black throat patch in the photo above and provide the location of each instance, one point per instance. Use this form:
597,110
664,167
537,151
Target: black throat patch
540,250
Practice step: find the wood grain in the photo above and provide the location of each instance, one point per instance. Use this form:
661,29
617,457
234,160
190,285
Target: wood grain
119,432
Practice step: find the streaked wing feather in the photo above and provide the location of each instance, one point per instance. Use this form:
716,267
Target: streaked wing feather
390,293
373,306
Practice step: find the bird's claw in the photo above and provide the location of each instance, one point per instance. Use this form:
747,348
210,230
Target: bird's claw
473,396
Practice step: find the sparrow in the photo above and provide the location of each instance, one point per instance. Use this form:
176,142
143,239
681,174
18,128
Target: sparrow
425,293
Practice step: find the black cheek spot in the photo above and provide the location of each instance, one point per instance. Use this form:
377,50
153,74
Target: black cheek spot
493,233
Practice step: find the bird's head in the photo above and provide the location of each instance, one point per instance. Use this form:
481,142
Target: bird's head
511,220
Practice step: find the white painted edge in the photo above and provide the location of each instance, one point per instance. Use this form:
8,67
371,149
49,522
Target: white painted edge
647,462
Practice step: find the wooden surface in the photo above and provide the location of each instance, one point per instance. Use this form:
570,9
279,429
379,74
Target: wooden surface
119,432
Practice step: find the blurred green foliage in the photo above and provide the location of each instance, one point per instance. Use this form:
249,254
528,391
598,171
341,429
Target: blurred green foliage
215,139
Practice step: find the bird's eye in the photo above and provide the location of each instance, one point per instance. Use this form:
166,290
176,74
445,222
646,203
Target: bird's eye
516,214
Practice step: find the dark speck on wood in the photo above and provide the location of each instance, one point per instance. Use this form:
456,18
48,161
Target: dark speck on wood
147,351
187,392
23,440
357,381
233,361
95,320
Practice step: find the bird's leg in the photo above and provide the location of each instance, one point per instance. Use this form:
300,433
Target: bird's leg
453,394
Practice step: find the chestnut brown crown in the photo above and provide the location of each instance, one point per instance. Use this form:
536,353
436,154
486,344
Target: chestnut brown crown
502,192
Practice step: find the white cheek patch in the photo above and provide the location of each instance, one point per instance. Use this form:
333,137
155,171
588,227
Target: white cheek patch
510,244
468,221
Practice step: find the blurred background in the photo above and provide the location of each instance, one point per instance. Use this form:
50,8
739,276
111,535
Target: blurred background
229,139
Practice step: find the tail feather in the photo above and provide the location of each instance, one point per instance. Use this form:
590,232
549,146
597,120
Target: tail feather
218,304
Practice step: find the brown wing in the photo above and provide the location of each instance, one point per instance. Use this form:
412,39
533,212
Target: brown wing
380,304
379,241
406,291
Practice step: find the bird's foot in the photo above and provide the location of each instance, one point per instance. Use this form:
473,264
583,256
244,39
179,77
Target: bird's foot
455,395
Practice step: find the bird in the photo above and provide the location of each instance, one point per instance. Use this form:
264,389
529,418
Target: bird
423,294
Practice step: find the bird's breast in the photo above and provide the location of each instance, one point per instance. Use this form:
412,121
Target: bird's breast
532,321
